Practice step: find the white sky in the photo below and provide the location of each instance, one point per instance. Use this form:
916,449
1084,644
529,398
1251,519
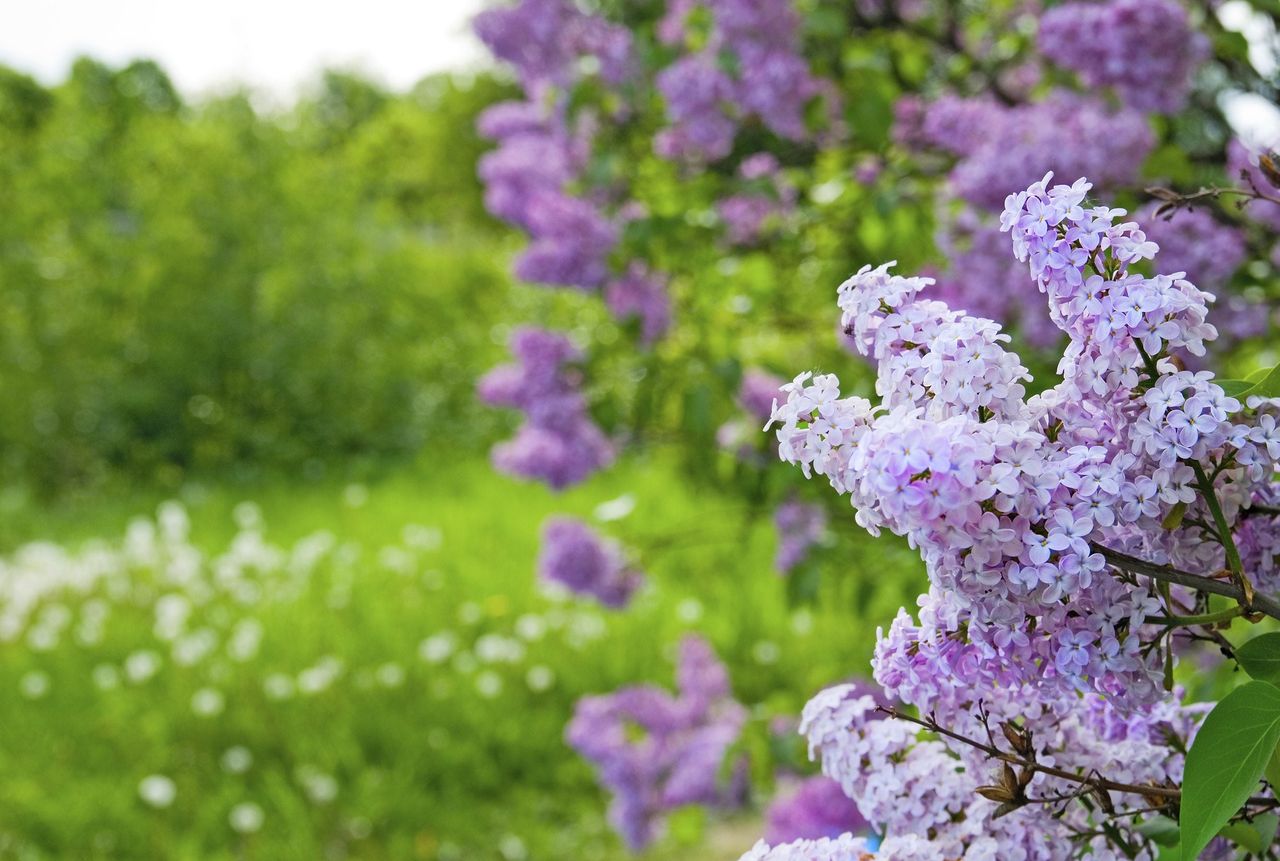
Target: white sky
272,45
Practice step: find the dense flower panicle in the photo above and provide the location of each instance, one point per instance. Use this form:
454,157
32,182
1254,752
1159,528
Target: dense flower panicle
575,557
928,356
1195,243
654,751
800,526
696,93
1002,495
1146,50
545,39
531,162
816,808
1000,149
639,294
558,443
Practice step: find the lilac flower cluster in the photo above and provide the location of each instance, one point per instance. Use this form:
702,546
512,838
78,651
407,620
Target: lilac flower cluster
919,792
545,41
558,443
641,295
767,196
814,809
1001,148
655,752
707,98
575,557
800,526
1002,494
1007,499
1146,50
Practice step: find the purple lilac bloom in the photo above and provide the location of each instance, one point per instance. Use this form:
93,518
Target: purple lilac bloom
767,195
1145,49
1194,242
654,751
773,82
1242,168
639,294
816,808
576,558
1001,149
799,526
558,443
571,242
758,392
544,39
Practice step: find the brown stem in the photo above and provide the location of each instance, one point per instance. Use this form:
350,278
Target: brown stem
1168,574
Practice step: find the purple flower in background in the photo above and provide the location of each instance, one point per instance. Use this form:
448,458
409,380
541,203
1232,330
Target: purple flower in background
558,443
800,526
768,195
577,558
640,295
985,280
1242,167
757,393
695,91
1145,49
571,243
816,808
772,81
654,751
1194,242
1001,149
544,39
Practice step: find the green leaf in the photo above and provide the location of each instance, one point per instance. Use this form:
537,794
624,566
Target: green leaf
1260,658
1226,762
1160,829
1272,771
1244,835
1269,384
1235,388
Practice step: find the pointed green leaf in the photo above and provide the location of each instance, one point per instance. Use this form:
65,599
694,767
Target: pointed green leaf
1160,829
1226,762
1260,658
1235,388
1244,835
1272,771
1269,385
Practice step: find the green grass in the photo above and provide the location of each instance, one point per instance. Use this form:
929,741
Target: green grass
425,763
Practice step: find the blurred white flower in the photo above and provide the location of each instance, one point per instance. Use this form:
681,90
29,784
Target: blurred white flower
615,509
34,685
247,516
237,760
208,702
141,666
689,610
278,686
421,537
531,627
390,675
246,818
157,790
539,678
437,648
489,684
355,496
765,652
106,677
